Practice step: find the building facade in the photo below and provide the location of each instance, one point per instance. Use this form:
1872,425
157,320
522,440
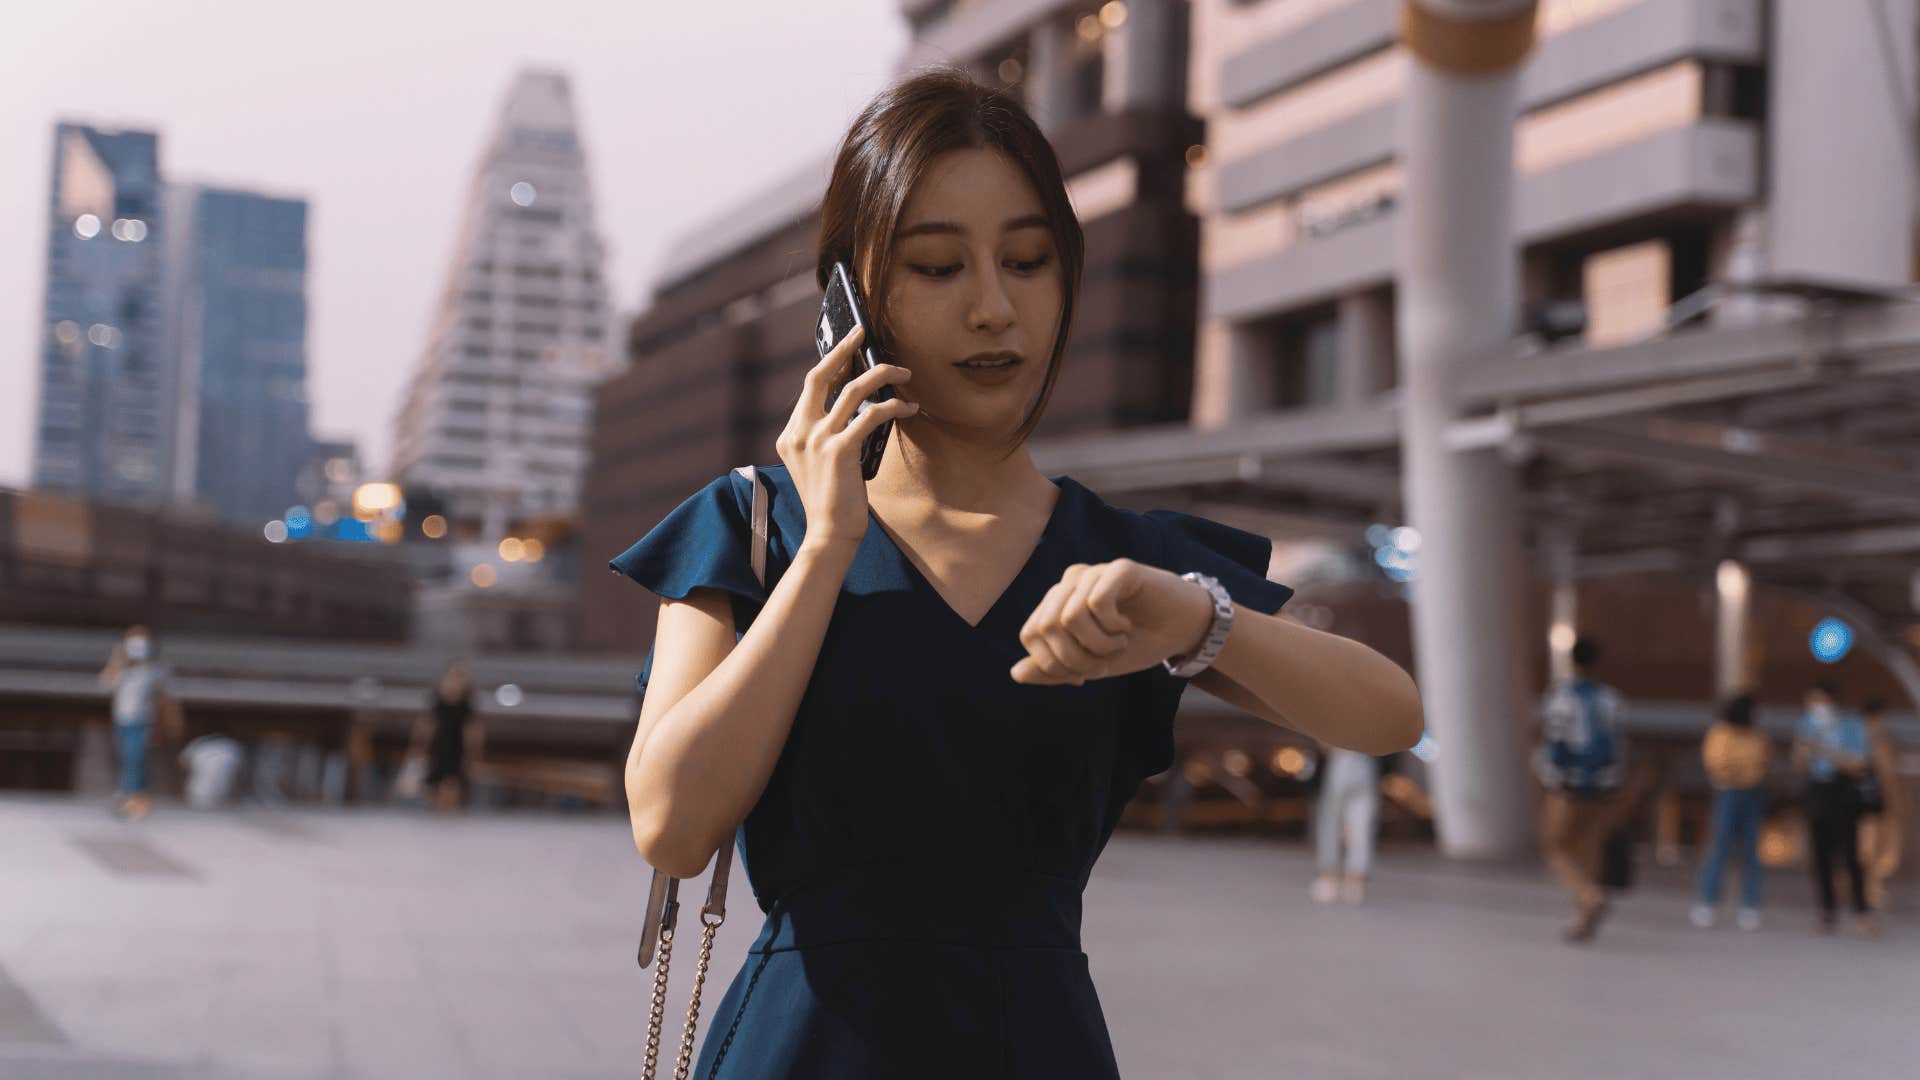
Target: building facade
236,311
718,355
1660,148
107,388
495,421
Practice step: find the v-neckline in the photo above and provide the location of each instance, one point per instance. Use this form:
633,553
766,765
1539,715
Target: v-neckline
1006,591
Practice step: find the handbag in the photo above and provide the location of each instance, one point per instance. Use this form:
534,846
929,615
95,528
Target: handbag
663,903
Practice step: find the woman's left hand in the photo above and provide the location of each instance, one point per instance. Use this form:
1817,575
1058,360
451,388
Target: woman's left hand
1108,619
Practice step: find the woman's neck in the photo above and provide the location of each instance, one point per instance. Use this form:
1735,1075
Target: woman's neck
928,469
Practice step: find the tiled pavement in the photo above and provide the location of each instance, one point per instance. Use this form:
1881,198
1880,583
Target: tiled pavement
391,944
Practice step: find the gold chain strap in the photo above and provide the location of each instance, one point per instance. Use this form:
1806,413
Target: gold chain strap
711,926
657,1015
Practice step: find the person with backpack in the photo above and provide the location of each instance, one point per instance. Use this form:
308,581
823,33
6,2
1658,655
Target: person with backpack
1580,761
1735,754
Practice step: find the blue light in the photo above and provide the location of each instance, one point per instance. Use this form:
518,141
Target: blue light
1424,749
352,530
1831,640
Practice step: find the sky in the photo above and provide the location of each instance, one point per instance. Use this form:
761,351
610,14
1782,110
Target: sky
376,110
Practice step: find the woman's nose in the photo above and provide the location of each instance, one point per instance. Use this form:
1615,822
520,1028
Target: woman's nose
991,309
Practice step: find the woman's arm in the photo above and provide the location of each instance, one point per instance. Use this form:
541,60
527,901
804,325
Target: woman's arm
1317,683
1121,616
110,675
716,714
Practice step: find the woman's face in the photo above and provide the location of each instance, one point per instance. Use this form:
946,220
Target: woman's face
973,295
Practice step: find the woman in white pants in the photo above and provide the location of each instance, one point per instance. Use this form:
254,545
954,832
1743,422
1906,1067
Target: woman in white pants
1348,807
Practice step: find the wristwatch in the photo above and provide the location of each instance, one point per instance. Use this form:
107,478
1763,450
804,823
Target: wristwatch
1186,667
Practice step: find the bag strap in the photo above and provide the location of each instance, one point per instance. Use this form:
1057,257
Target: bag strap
663,903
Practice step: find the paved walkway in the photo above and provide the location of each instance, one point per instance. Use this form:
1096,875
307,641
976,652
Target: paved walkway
393,945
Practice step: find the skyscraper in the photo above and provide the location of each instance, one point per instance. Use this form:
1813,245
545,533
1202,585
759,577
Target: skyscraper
497,416
107,388
236,277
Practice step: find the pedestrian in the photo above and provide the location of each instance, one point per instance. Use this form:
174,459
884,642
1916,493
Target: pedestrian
449,736
1344,818
958,671
1580,761
1830,750
1735,753
138,682
1882,807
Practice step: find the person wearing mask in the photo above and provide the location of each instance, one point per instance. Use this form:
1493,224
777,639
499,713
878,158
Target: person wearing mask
1347,809
138,683
1735,753
1830,750
1881,807
1580,761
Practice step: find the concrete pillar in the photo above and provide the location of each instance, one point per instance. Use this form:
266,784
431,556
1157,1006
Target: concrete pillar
1459,303
1049,76
1253,372
1840,141
1145,57
1366,346
1732,622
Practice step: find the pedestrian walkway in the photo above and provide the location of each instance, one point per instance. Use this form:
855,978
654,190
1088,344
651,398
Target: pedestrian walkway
396,945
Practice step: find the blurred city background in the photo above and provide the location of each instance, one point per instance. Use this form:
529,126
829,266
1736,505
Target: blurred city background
346,350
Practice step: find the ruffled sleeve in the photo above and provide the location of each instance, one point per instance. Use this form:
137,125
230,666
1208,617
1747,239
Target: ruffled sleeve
705,543
1236,557
1179,543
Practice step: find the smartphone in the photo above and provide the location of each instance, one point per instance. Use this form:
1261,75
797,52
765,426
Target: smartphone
842,309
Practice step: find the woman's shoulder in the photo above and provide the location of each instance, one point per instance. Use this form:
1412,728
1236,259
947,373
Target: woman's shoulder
1180,542
1165,530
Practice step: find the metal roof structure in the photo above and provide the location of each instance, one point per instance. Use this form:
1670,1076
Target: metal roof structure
1792,445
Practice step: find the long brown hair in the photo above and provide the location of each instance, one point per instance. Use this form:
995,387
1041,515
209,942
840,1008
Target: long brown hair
889,149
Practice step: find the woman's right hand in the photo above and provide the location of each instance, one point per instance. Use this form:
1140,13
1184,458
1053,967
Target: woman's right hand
821,447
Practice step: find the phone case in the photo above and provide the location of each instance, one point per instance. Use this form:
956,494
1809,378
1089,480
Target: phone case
841,309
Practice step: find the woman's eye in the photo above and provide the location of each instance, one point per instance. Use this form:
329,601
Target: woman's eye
935,271
1027,266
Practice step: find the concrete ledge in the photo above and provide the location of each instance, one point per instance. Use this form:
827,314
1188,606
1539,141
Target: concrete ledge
1298,54
968,29
1714,163
1347,145
1640,38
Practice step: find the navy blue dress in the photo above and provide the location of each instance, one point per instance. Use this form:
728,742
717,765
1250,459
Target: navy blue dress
921,847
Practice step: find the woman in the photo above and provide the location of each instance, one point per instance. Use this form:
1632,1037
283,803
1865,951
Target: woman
1830,750
953,682
1735,754
448,736
1345,814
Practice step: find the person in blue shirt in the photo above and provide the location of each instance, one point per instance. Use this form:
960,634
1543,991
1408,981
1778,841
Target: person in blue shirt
1830,748
922,728
1580,762
138,681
